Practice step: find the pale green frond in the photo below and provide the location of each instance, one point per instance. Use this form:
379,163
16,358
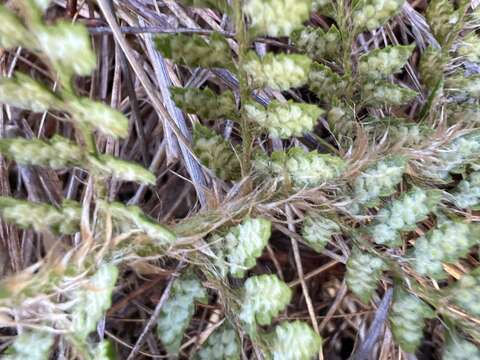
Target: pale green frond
279,72
325,83
68,47
205,103
195,50
466,292
445,244
30,345
12,32
467,194
402,215
371,14
470,47
380,63
384,93
379,180
265,297
459,84
431,67
23,92
98,115
223,344
56,153
442,18
457,348
295,340
284,119
131,217
276,17
178,310
216,153
40,216
407,319
92,300
364,271
317,43
317,231
244,243
108,165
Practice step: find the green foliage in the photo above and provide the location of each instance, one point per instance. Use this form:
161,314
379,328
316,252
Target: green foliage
466,292
371,14
264,298
223,344
294,340
205,103
380,63
108,165
194,50
216,153
444,244
13,33
93,300
470,47
442,18
244,243
178,310
276,17
132,217
40,216
23,92
317,231
363,273
467,194
279,72
383,93
459,84
104,351
457,348
31,345
302,169
325,83
56,153
431,67
318,44
284,120
402,215
407,317
379,180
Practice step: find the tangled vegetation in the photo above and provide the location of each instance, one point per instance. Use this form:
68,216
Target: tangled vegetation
272,179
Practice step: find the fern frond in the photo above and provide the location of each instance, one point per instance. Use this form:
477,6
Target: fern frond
223,344
30,345
380,63
317,231
295,340
466,292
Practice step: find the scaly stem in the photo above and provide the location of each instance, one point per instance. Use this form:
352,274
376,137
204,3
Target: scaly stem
242,40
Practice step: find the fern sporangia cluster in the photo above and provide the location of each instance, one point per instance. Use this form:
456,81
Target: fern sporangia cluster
330,141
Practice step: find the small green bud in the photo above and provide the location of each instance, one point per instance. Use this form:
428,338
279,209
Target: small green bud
223,344
467,194
244,243
93,300
12,32
279,72
98,115
466,292
108,165
205,103
264,298
31,345
384,93
215,153
23,92
276,17
68,47
133,216
379,180
295,340
407,319
371,14
284,120
445,244
195,51
325,83
364,271
317,44
317,231
380,63
178,310
402,215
